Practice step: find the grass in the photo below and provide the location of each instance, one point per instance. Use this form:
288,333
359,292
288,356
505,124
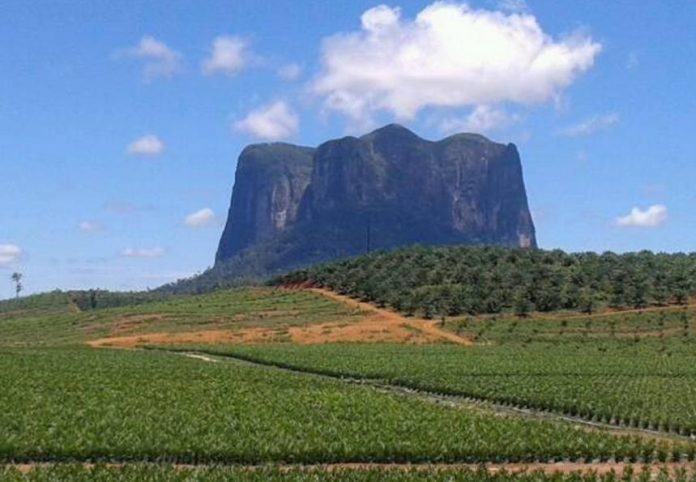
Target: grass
59,323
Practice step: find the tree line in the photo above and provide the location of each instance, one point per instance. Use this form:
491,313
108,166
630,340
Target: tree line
450,281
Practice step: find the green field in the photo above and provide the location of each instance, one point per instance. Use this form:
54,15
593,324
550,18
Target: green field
54,319
64,404
151,473
615,382
658,324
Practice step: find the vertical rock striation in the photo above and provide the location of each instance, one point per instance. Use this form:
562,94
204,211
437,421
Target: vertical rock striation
294,205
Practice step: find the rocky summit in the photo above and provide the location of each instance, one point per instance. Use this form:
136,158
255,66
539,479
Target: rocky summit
293,206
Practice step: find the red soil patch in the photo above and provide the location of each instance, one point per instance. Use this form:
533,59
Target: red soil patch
601,468
373,329
204,337
379,326
429,329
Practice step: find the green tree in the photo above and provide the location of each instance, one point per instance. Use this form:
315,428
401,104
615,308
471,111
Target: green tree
17,279
521,303
586,301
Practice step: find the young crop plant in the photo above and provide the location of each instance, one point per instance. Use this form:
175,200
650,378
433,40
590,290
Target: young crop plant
63,405
617,383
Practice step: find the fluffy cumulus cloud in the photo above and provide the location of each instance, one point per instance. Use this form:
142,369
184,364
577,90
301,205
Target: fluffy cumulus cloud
228,56
148,146
272,122
651,217
159,60
199,219
483,118
450,55
9,254
142,252
591,125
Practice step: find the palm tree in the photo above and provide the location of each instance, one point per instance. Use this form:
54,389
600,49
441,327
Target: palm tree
17,279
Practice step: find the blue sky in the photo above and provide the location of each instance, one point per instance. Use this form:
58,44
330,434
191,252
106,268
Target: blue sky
120,120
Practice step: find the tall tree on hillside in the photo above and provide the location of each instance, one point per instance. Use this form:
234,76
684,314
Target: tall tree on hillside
17,279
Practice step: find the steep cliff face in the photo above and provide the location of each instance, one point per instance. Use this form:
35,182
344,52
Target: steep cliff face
386,189
269,184
405,190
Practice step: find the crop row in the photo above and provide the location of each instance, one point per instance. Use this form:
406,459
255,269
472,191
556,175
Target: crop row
77,404
155,473
632,388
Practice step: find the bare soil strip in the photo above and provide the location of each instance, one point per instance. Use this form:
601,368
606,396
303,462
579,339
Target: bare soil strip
203,337
427,327
378,326
599,468
455,401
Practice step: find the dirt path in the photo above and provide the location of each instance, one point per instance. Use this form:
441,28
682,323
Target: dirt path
204,358
428,327
599,468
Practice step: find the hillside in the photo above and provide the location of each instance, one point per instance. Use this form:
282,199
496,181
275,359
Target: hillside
452,281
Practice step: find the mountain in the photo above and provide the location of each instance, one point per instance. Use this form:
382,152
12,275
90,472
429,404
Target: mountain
269,184
293,206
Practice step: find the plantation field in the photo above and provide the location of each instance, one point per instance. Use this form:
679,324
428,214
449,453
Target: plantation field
655,324
152,473
634,385
66,404
454,280
54,320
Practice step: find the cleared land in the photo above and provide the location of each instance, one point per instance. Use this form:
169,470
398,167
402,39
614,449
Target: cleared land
239,315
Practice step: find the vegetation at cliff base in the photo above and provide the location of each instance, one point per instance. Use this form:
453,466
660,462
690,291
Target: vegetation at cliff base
451,281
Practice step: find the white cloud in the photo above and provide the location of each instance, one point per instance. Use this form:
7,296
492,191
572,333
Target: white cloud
9,253
149,145
483,118
90,227
199,219
271,122
290,72
450,55
228,55
591,125
649,218
142,252
159,59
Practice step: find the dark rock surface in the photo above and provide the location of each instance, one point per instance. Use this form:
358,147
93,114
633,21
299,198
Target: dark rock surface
269,184
292,206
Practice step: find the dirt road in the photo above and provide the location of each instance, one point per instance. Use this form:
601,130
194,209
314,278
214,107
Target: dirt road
428,327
